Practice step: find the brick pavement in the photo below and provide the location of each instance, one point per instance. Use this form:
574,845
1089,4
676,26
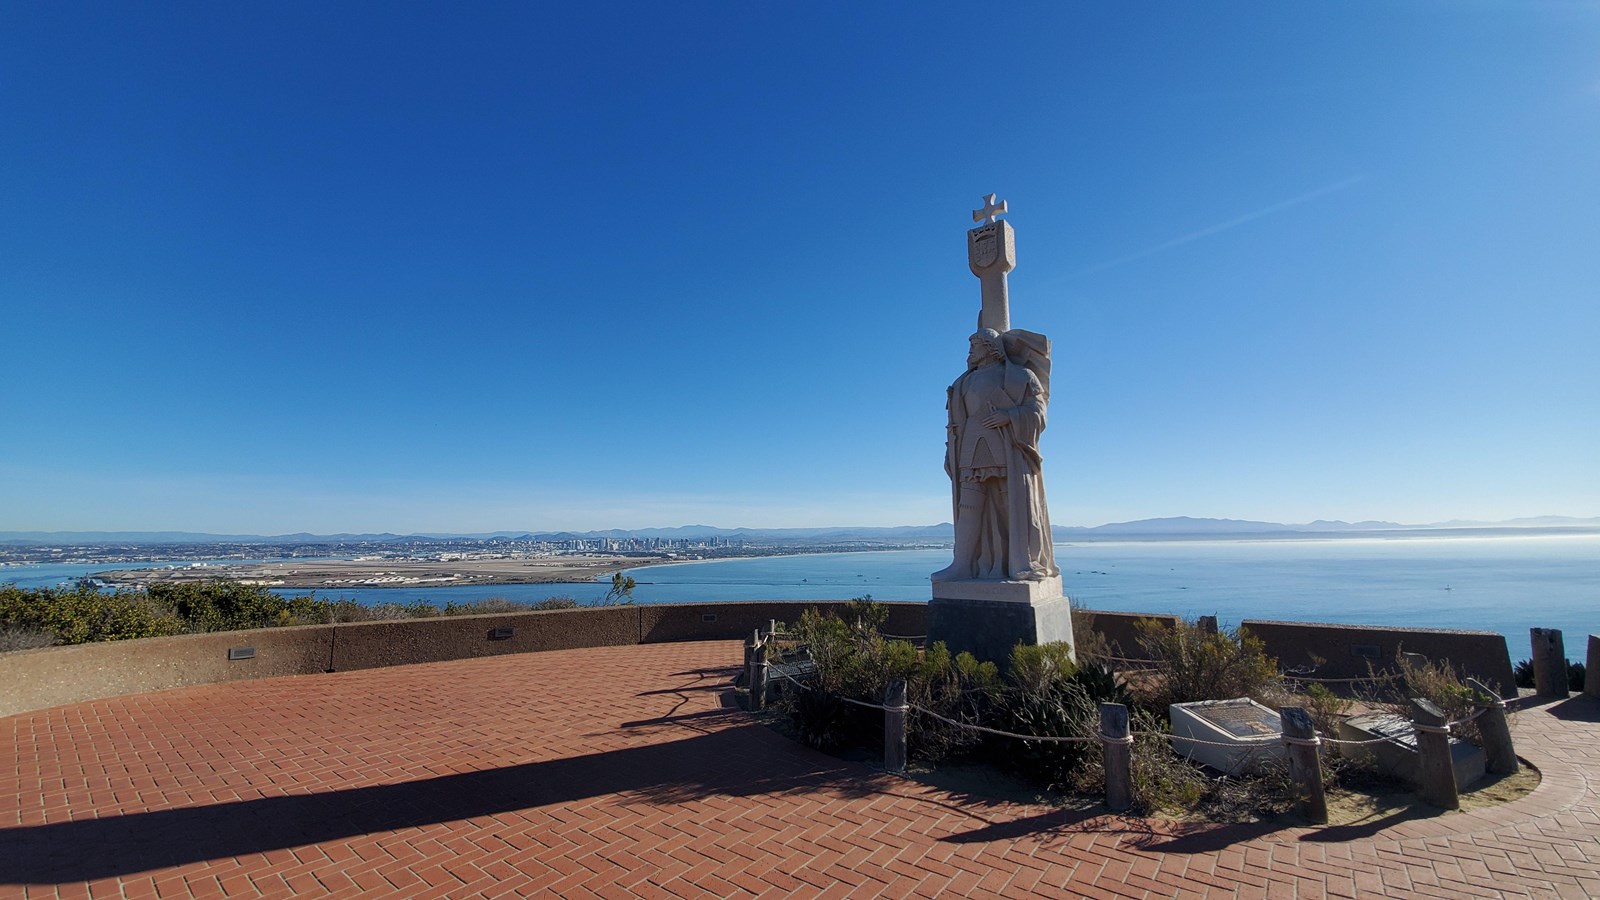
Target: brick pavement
625,772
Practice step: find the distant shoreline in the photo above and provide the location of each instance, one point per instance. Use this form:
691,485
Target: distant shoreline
343,574
333,574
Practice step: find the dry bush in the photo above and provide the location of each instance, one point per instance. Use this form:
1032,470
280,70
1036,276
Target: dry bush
1090,645
1440,684
16,637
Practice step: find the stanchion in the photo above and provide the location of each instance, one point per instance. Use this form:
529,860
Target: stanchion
894,727
1116,748
1591,669
1549,663
1436,774
1305,764
757,672
763,674
1499,756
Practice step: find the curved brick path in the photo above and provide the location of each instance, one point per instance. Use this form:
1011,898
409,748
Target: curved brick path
622,771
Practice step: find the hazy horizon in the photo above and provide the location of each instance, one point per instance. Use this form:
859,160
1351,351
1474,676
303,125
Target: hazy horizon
1517,522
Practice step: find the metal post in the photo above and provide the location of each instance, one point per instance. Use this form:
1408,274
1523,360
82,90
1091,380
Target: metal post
1436,774
1305,764
1500,756
1116,749
894,727
1549,663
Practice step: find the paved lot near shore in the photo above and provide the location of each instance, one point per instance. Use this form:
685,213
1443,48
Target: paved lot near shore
625,771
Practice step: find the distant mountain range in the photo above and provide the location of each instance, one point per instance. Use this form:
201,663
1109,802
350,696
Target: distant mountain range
1168,528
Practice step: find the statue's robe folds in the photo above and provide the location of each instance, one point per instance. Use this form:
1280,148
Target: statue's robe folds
1020,533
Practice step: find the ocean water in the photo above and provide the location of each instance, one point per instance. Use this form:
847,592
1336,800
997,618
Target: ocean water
1506,584
1503,584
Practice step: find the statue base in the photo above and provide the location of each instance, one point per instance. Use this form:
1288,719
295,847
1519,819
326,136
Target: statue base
988,618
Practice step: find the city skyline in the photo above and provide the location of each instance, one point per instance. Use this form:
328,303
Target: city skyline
367,269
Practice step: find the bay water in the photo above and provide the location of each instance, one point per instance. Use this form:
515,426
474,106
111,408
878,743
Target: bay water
1502,584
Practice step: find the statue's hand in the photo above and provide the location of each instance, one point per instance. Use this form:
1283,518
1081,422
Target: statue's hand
997,420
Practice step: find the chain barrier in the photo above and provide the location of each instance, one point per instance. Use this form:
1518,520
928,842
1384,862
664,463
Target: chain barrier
1010,734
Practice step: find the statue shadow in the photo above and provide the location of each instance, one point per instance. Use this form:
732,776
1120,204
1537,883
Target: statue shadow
1053,823
1576,709
736,761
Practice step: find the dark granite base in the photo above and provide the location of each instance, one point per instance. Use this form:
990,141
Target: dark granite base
988,629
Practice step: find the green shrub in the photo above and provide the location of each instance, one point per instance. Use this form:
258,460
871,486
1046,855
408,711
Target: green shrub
822,720
82,614
229,605
1040,668
85,613
956,687
1325,708
1522,673
865,613
1050,696
854,660
1192,665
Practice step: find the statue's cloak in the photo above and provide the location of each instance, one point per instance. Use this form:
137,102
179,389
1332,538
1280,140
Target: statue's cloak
1030,553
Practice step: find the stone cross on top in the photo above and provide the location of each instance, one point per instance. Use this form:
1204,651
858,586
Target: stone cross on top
990,209
991,253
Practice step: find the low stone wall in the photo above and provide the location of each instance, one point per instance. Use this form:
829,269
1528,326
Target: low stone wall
52,676
1122,638
1345,651
371,645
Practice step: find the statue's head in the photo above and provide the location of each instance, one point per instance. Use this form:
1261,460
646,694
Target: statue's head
986,348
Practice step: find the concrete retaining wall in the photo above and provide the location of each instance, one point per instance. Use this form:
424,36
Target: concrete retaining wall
1346,650
1118,630
52,676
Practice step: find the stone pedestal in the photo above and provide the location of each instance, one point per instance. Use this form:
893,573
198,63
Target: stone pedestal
988,618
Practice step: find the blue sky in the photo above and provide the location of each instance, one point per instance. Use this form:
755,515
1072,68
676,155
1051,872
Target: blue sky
469,267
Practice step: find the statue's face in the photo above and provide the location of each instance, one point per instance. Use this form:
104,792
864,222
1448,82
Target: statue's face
981,352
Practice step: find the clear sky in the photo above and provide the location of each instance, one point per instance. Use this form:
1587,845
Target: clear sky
468,267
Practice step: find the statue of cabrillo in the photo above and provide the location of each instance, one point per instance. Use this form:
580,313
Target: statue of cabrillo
1003,587
997,412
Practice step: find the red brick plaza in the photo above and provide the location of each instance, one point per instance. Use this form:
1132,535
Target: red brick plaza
625,771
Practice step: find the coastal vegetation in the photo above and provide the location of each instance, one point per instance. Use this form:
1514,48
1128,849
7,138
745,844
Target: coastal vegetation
1043,692
39,617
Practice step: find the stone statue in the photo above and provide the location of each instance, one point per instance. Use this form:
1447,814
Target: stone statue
996,414
1003,587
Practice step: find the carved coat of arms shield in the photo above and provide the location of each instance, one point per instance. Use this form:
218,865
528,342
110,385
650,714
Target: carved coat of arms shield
985,246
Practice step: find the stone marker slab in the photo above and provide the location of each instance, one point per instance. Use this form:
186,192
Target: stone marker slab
1397,756
1249,734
